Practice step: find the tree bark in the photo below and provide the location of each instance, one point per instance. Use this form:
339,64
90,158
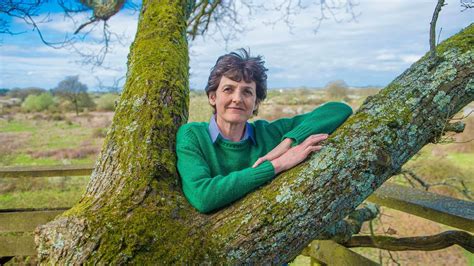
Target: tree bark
134,211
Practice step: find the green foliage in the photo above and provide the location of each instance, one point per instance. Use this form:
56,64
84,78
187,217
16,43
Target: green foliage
37,103
107,101
462,41
4,91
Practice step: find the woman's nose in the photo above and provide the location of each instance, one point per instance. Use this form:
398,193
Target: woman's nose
237,97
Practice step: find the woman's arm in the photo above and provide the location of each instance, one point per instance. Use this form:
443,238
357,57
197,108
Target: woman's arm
323,120
207,193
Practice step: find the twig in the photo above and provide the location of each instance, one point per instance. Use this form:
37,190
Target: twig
464,190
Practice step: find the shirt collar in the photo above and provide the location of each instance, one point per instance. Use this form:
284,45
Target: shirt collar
215,132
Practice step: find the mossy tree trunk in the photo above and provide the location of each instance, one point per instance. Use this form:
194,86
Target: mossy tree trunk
133,209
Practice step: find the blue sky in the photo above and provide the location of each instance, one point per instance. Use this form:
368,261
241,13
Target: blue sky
387,38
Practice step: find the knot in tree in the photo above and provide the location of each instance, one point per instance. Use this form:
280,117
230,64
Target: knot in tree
104,9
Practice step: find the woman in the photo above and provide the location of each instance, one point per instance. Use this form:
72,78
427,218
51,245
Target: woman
223,160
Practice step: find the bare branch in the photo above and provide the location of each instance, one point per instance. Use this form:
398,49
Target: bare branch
227,16
410,174
85,25
26,10
466,4
29,13
116,86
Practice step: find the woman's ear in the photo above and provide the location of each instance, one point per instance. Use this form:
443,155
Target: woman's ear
257,104
255,108
212,98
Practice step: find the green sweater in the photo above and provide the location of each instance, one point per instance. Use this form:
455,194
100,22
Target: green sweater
216,174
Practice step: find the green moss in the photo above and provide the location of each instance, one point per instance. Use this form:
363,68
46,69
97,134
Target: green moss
142,219
463,41
154,232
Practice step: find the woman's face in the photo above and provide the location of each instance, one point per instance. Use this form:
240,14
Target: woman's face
234,101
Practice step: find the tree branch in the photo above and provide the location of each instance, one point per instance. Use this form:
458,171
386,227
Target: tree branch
466,4
456,127
433,28
343,230
426,243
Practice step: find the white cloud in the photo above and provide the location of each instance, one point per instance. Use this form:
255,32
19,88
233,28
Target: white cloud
409,59
385,57
387,37
45,66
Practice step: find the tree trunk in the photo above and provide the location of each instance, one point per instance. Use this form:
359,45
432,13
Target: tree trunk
134,211
76,105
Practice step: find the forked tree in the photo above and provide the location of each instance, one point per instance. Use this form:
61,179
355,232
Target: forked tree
133,210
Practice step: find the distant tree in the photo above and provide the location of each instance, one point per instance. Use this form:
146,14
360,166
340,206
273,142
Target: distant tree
337,90
72,90
22,93
4,91
37,103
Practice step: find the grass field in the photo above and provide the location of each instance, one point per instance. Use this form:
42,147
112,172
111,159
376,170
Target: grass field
42,139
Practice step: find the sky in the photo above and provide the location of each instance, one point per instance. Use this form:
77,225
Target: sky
384,40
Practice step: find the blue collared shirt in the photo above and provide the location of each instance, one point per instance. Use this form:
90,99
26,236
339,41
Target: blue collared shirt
215,132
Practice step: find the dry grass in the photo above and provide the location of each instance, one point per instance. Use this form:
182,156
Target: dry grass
66,153
11,141
433,164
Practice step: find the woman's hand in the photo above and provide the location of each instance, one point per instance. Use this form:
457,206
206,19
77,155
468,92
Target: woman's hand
283,147
297,154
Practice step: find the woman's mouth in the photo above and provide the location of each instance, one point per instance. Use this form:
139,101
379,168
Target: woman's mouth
236,108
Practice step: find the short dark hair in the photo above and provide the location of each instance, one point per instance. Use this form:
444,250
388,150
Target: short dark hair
236,66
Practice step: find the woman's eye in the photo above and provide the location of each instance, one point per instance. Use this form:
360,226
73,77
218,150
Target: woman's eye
249,93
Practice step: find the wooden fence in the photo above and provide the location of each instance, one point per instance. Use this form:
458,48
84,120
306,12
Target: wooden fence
17,225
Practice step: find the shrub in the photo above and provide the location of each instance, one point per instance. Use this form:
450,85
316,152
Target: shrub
25,92
337,90
57,117
37,103
107,101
